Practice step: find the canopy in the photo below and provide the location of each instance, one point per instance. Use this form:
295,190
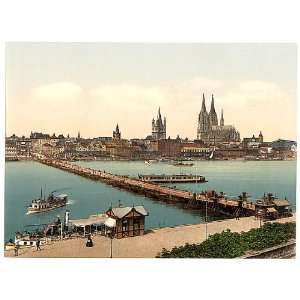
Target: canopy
280,202
271,210
110,222
92,220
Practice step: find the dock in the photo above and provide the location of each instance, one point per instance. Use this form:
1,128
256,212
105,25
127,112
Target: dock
212,202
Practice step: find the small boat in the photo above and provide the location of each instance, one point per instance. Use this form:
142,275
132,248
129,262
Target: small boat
181,164
53,201
212,154
147,162
163,160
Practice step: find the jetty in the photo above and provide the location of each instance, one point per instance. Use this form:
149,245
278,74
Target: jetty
212,202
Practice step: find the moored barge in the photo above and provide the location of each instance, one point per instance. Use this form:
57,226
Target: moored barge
172,178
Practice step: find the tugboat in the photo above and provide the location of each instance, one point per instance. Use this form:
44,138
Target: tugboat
42,205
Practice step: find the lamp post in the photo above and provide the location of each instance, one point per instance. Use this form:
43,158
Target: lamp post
259,215
111,242
111,246
205,220
260,221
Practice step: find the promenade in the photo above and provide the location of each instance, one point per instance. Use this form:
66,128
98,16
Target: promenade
148,245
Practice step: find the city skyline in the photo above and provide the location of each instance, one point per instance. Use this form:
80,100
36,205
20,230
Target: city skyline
66,88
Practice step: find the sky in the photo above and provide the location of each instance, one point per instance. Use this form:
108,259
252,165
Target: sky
90,87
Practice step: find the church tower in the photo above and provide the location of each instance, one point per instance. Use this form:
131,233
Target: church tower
213,118
117,133
222,119
159,127
203,121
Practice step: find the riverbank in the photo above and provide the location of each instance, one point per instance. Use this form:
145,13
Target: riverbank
154,160
146,246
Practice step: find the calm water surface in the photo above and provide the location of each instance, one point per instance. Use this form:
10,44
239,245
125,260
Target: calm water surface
24,180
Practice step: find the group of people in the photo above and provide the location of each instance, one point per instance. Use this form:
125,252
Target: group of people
89,243
17,247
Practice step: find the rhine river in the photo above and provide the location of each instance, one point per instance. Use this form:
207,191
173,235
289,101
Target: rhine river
24,179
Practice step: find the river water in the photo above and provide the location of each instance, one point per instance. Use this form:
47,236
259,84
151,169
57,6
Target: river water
24,179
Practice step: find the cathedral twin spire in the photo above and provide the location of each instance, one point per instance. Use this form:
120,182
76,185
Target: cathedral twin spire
212,115
208,130
213,118
207,120
203,108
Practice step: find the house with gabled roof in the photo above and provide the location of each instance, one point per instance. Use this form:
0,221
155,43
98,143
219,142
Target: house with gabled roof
130,221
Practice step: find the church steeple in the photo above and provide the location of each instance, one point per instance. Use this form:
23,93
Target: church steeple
261,137
222,119
203,107
212,105
213,118
203,120
159,127
117,133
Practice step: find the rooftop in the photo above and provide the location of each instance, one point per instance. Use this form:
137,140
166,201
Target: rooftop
121,212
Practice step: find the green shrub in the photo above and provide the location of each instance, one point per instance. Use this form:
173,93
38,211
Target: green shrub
229,244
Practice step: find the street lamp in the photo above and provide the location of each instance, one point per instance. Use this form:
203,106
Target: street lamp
260,216
205,220
111,246
111,242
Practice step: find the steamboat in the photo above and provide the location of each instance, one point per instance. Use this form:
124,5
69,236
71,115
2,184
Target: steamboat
43,205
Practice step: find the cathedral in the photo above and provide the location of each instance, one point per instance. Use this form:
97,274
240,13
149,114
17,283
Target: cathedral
209,130
159,127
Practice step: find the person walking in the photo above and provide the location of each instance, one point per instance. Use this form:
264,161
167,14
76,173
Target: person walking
89,242
38,243
16,249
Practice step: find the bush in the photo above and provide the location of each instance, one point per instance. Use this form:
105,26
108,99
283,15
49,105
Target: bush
231,244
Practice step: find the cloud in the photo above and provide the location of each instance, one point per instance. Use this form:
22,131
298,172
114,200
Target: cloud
249,105
260,105
127,95
58,91
253,95
135,96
